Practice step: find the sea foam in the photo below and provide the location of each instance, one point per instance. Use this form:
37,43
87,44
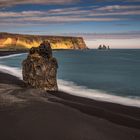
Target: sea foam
11,70
80,91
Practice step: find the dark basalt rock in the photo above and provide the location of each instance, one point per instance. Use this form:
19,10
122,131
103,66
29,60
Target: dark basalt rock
103,47
40,68
45,50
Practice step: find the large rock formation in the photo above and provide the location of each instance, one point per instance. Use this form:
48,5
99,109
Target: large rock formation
40,68
21,42
103,47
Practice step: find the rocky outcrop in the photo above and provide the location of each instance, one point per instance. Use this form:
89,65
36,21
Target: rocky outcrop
103,47
21,42
40,68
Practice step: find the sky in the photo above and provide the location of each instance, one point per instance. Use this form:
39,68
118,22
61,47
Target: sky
111,22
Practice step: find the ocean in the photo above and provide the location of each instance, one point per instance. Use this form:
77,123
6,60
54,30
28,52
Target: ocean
107,75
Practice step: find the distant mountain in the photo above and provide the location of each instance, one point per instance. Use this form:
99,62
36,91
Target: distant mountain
14,42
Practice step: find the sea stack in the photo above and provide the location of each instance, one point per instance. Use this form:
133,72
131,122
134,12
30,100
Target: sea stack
103,47
39,69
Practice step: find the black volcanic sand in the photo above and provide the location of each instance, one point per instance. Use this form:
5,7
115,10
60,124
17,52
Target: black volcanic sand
32,114
4,53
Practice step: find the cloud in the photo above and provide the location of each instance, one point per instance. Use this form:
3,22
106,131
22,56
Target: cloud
97,11
112,10
20,14
42,19
116,10
124,1
124,13
132,0
118,7
71,14
121,35
5,3
65,15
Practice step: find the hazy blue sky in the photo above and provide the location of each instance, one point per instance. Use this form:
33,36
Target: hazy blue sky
112,22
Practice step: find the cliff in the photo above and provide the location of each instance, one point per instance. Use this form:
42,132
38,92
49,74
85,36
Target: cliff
10,41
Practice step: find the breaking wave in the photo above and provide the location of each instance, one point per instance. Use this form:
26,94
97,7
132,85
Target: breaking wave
11,70
81,91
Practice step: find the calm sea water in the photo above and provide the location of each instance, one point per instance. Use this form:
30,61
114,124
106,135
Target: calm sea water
115,72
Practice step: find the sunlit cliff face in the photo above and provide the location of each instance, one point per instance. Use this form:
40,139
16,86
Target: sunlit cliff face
21,41
11,41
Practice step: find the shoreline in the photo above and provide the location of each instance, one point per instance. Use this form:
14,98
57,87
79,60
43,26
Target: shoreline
6,53
33,114
58,115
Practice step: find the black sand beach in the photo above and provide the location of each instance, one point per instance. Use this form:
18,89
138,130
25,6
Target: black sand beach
4,53
32,114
